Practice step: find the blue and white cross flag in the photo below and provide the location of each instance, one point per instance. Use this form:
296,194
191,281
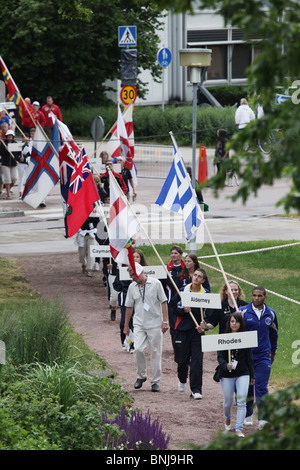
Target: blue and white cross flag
176,195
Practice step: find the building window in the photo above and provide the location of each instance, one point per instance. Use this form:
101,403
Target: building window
218,67
241,59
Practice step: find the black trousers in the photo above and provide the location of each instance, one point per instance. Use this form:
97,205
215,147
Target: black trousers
189,355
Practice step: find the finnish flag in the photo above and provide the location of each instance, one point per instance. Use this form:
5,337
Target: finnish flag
176,195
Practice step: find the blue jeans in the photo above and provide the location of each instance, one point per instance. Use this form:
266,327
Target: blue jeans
229,386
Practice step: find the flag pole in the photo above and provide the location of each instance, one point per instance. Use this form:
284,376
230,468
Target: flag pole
10,76
6,147
15,122
125,200
204,222
62,131
108,132
37,124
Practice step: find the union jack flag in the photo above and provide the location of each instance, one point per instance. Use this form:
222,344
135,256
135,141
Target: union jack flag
80,192
67,161
80,173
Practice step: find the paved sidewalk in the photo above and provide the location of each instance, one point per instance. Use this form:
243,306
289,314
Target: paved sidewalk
24,230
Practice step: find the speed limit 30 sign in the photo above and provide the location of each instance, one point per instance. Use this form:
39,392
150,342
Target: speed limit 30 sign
128,94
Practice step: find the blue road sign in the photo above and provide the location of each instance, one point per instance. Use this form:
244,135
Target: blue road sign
280,99
164,57
127,36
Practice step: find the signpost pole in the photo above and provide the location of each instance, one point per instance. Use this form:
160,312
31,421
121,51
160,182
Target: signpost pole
163,91
164,58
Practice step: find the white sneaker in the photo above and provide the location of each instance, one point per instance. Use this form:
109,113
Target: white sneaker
248,421
227,427
181,386
196,395
239,434
261,423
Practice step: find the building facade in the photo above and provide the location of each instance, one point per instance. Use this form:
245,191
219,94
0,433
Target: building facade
231,56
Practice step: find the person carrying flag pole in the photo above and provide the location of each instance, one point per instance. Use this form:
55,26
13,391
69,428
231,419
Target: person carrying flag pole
15,96
164,195
127,203
9,162
204,222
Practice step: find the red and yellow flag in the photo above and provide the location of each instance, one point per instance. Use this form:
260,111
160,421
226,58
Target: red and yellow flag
12,90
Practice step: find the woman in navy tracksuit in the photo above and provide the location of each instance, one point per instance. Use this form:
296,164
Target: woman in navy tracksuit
187,338
261,318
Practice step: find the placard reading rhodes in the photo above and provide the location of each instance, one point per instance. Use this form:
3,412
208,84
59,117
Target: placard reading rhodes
245,339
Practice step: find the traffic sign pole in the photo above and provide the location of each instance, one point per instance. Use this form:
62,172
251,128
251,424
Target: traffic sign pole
128,38
164,58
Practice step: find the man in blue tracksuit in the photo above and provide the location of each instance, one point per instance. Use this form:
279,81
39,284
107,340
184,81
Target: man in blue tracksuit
261,318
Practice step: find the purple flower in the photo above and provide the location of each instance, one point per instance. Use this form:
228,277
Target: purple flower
137,432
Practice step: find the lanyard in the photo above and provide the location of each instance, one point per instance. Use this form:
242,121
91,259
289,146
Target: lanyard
142,292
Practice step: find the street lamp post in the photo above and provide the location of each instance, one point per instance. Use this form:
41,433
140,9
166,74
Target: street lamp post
195,59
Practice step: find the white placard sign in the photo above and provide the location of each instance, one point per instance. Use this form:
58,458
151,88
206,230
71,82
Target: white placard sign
200,299
100,251
101,168
15,147
154,271
245,339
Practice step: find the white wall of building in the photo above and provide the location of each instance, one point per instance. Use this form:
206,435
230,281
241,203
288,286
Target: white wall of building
203,29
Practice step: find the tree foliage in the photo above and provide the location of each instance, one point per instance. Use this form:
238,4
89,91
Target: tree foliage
276,24
68,49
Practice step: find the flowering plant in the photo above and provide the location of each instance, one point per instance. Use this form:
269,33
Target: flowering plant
135,433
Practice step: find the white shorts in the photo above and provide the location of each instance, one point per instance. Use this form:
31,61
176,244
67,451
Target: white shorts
9,174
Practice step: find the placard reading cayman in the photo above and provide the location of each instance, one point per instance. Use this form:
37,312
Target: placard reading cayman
245,339
154,271
100,251
201,300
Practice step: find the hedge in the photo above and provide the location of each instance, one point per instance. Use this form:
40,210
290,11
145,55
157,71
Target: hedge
152,125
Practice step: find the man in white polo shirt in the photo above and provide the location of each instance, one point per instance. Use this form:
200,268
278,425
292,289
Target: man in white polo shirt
146,296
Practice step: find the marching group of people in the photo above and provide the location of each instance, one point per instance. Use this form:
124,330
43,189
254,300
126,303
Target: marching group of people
14,163
150,307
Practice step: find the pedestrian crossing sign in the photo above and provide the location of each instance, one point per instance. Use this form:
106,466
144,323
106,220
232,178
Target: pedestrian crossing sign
127,36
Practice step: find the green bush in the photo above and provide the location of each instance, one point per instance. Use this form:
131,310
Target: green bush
44,411
33,415
69,383
14,437
153,125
